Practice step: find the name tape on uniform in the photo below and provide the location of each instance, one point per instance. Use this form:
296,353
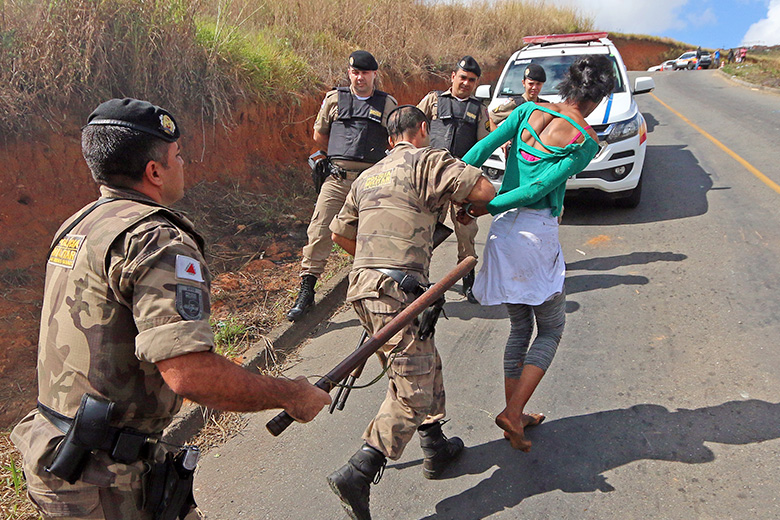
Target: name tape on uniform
64,253
188,269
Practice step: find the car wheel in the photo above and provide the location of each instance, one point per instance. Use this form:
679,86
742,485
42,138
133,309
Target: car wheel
690,66
632,199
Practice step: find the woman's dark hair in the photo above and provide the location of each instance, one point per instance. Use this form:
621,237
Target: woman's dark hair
590,78
117,156
404,118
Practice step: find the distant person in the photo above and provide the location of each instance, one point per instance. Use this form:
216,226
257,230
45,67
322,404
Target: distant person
350,130
742,54
730,57
125,334
458,120
698,56
534,78
523,262
387,223
716,59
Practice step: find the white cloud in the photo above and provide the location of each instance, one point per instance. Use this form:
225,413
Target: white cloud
703,19
767,30
646,17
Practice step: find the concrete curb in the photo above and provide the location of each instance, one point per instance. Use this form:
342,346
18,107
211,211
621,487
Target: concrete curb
284,339
748,84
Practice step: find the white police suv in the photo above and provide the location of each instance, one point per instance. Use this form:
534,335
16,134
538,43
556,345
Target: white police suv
622,131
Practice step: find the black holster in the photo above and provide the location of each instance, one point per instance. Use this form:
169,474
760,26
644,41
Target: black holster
428,319
320,169
89,430
168,485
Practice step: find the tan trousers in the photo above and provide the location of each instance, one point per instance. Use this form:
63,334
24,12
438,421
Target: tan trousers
329,202
415,393
466,235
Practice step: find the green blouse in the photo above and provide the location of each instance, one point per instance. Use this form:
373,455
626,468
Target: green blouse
532,184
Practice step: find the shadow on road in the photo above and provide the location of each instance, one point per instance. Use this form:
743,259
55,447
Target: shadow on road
572,454
674,187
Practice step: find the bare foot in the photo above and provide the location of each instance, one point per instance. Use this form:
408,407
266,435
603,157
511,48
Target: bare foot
513,432
529,419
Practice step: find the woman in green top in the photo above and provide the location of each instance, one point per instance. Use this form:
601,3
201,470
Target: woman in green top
523,265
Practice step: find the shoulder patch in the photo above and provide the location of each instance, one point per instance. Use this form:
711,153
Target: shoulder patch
188,269
189,302
64,253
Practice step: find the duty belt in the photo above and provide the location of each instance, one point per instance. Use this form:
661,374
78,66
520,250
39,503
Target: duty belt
125,445
408,283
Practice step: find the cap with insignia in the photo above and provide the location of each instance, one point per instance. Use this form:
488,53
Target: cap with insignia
362,60
469,64
138,115
535,72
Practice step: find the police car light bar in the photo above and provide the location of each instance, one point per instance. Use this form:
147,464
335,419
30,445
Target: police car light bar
565,38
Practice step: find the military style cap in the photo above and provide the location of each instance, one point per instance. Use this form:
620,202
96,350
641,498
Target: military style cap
138,115
362,60
535,72
469,64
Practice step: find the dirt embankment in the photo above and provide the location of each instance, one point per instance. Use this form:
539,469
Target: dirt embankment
45,180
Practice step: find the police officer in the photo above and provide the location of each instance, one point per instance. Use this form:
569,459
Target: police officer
458,120
350,129
387,223
125,329
533,81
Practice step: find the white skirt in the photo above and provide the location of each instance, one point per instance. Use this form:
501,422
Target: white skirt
523,259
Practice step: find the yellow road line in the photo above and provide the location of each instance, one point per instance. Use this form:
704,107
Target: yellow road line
752,169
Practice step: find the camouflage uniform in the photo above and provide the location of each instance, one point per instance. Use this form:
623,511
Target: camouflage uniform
465,233
391,212
334,191
126,288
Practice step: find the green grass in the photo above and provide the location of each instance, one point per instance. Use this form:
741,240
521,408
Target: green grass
229,336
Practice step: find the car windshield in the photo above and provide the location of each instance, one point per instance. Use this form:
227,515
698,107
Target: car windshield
688,55
555,68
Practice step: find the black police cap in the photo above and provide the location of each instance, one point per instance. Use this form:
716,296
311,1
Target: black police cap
469,64
362,60
535,72
138,115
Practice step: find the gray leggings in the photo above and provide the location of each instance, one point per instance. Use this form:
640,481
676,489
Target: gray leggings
550,318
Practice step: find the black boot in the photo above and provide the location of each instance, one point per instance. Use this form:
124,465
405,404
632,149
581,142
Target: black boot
352,481
468,283
439,451
305,297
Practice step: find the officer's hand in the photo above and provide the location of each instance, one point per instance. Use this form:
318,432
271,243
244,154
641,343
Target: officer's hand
307,400
462,218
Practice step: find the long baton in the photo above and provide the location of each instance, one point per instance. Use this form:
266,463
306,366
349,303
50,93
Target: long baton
280,423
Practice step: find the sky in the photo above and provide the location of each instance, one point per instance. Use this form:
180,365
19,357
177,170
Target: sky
711,24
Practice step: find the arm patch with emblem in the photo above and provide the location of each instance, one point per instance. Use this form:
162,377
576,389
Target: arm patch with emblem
189,302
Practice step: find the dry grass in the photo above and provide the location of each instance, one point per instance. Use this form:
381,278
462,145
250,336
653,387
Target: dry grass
64,56
13,495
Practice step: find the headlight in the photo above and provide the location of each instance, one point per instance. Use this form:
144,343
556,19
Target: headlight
624,129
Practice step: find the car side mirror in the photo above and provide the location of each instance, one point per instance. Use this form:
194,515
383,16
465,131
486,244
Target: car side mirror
644,85
483,92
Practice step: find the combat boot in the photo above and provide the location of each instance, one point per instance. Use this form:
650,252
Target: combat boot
352,481
468,283
438,450
305,297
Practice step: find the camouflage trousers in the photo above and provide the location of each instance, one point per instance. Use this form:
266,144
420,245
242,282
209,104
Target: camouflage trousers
329,202
466,234
415,393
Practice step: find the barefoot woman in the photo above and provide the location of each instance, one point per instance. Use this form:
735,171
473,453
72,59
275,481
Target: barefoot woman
523,266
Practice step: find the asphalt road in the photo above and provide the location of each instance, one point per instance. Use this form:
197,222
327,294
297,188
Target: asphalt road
662,401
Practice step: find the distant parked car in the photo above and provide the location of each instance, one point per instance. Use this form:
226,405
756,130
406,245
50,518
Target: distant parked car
705,61
667,65
687,60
